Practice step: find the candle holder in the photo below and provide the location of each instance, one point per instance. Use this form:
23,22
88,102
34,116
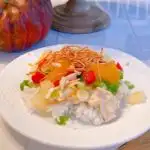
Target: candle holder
80,16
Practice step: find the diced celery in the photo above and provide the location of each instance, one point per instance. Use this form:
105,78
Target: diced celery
62,120
55,94
26,83
130,85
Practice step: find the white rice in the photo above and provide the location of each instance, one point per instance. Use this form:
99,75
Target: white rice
86,114
93,116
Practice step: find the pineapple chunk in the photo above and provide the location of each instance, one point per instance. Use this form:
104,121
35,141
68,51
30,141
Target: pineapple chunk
38,101
136,98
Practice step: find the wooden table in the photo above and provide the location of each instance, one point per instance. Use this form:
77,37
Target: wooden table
129,31
142,143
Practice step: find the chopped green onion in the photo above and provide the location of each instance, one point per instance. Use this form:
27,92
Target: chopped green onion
121,75
80,77
103,85
26,83
113,88
81,86
62,120
130,85
96,84
47,71
55,94
99,108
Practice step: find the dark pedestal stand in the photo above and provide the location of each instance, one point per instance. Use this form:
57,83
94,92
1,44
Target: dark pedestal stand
80,16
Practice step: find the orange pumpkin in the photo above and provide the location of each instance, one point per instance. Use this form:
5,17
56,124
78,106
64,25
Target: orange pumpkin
23,23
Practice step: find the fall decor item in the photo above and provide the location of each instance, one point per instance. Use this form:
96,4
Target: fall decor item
80,16
23,23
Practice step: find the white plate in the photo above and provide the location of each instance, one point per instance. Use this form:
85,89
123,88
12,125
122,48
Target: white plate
133,122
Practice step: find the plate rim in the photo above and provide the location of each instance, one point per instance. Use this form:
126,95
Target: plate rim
120,142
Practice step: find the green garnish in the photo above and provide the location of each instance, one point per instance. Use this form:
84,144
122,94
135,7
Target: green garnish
26,83
47,71
121,75
130,85
103,85
81,86
62,120
113,88
96,84
55,94
80,77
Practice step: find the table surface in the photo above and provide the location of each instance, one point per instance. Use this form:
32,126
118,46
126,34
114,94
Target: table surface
129,31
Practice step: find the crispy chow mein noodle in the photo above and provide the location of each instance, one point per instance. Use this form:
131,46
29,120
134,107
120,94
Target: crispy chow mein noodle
80,58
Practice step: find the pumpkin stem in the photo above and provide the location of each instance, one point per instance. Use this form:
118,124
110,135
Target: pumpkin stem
6,1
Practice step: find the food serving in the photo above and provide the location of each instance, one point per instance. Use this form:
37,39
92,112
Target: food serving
78,83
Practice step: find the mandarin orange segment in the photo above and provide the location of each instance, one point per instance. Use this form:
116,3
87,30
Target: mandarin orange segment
106,71
94,67
58,72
